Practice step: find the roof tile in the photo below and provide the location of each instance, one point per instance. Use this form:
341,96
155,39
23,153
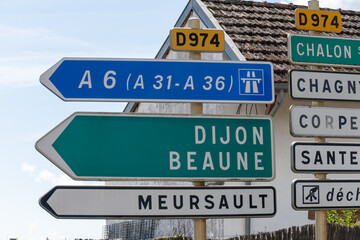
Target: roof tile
260,29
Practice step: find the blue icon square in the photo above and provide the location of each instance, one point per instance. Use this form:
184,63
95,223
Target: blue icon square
251,82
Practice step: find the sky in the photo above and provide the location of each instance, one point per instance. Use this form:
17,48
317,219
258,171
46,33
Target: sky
34,35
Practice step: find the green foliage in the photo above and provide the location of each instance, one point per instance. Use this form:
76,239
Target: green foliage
333,216
343,217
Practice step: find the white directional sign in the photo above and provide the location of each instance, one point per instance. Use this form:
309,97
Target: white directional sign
159,202
325,157
308,121
323,85
325,194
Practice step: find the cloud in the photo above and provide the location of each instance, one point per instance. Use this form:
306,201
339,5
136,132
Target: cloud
36,232
35,41
32,137
28,168
47,176
31,51
334,4
22,74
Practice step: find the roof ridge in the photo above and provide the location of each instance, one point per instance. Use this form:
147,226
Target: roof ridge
278,5
257,3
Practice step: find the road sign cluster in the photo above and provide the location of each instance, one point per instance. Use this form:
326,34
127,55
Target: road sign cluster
318,121
118,146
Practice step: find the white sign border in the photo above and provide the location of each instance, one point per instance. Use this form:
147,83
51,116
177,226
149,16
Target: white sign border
44,204
293,160
315,181
291,85
295,133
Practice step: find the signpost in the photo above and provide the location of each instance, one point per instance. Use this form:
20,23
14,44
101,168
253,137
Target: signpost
91,79
320,50
106,146
317,50
111,146
324,85
310,157
324,121
315,20
325,194
159,202
206,40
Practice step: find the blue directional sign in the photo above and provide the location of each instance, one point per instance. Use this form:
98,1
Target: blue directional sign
87,79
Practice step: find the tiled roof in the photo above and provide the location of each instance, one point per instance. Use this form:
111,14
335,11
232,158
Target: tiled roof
259,30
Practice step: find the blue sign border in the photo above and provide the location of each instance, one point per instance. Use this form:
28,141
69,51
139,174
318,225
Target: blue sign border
145,80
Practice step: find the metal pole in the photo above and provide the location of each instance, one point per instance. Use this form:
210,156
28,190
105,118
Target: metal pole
320,216
197,108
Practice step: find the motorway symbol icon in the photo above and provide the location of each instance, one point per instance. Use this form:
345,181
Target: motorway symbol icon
251,82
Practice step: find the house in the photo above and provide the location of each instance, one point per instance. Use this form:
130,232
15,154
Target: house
257,31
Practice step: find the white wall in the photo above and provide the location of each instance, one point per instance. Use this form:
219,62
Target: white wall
285,216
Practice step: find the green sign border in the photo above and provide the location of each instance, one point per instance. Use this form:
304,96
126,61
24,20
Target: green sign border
47,145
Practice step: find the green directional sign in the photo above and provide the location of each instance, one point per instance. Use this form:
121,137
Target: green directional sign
319,50
89,146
